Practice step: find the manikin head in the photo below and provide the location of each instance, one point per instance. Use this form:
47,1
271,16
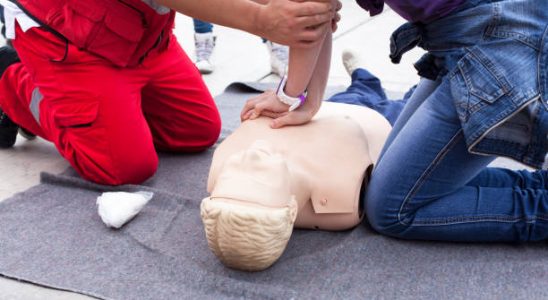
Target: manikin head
250,213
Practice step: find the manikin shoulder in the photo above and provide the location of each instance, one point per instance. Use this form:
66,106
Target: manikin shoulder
327,137
327,158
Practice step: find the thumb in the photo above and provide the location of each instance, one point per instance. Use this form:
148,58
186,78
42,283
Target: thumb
258,110
282,121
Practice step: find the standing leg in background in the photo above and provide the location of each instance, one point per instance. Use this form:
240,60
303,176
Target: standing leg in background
204,42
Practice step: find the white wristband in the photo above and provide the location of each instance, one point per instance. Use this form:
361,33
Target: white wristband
293,102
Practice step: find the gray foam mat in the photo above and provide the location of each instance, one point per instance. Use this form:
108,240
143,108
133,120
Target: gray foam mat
51,235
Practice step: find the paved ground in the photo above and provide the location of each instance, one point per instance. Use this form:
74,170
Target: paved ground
238,57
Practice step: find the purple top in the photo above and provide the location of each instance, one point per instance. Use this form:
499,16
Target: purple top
422,11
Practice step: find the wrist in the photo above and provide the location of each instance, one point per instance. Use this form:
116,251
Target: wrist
291,90
258,21
313,103
292,102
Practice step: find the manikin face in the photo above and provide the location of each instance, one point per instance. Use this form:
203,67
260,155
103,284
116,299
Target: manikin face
250,214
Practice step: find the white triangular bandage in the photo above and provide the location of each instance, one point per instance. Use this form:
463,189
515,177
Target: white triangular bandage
117,208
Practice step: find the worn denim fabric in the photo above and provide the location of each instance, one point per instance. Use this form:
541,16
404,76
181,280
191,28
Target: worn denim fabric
202,27
366,90
430,182
495,53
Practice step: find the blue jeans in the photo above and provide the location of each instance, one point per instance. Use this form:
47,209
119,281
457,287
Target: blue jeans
428,186
202,27
366,90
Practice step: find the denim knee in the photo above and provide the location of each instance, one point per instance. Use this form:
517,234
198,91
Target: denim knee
382,209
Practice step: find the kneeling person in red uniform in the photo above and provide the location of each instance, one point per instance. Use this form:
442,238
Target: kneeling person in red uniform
107,82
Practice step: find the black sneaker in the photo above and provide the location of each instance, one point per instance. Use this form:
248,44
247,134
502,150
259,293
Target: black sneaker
8,129
3,21
8,57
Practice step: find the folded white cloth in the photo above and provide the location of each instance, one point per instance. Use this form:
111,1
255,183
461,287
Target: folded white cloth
117,208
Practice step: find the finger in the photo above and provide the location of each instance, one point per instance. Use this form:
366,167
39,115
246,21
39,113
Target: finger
247,115
313,21
282,121
272,114
256,112
337,17
338,6
311,37
244,115
249,105
245,110
313,8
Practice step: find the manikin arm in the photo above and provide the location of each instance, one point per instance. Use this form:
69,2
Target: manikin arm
289,22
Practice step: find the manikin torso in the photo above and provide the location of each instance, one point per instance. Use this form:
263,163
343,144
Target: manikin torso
329,160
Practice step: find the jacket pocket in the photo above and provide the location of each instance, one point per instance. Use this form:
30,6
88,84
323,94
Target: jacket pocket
75,114
80,21
476,83
78,131
110,31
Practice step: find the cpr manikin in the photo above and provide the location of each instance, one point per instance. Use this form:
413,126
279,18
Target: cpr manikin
264,181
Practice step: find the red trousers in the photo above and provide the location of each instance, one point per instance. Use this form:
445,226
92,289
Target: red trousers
106,121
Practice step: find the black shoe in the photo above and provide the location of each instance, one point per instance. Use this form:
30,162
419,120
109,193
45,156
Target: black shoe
2,19
8,131
8,57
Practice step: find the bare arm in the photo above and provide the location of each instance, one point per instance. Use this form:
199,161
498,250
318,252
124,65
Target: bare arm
304,66
308,69
316,83
261,1
288,22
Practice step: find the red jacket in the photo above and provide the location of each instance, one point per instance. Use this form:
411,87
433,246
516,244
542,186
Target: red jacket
121,31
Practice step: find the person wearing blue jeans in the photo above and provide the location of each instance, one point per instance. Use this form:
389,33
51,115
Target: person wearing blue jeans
484,94
204,42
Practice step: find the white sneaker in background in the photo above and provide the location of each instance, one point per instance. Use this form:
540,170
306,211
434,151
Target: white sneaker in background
352,61
279,57
205,43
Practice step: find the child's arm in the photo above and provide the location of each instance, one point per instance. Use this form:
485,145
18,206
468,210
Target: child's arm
308,70
316,90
